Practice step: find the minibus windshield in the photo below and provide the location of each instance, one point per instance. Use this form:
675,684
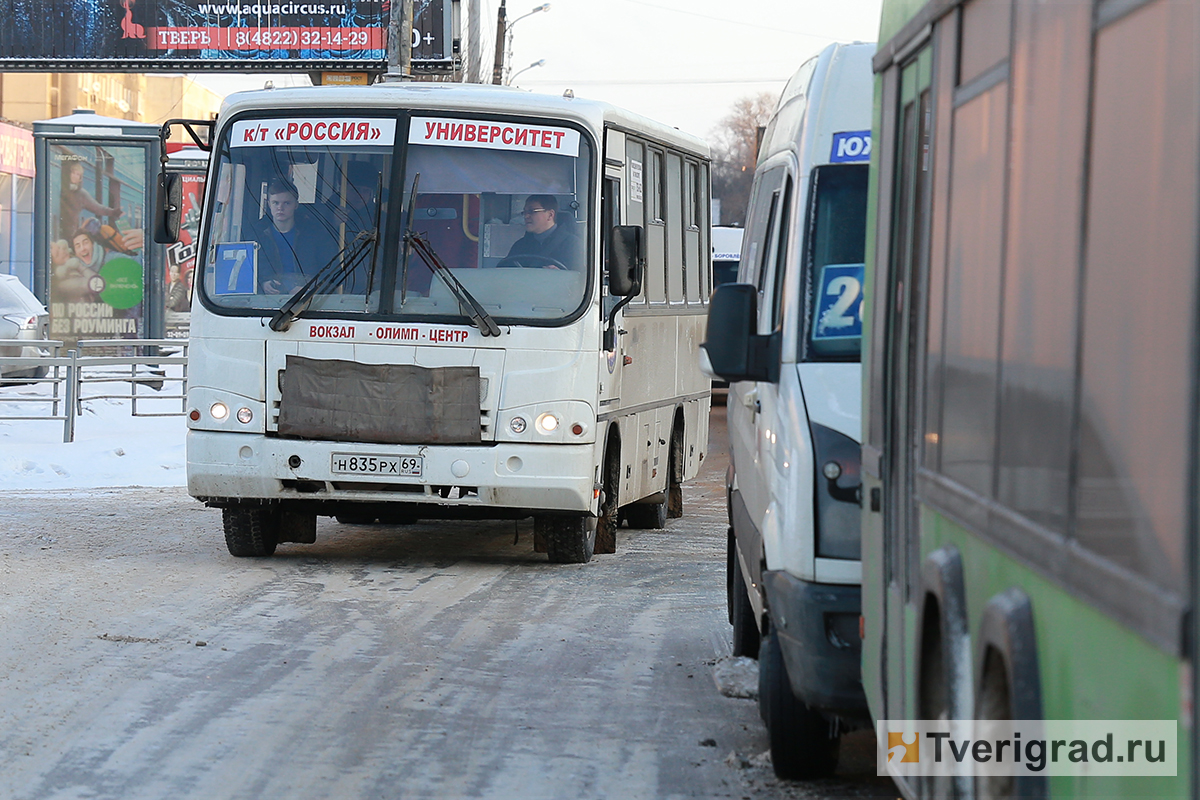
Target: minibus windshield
503,206
834,258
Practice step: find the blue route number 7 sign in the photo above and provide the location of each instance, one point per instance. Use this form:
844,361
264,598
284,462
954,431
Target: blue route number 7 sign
236,268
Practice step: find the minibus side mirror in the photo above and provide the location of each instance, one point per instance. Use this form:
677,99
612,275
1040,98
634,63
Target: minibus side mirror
735,351
626,261
168,205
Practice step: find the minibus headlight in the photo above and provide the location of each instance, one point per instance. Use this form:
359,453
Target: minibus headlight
547,423
838,517
517,424
244,415
219,411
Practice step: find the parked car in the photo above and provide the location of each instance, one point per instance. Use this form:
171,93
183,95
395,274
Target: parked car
786,336
22,316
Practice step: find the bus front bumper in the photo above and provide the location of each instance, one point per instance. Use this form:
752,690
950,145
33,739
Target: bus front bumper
232,467
817,626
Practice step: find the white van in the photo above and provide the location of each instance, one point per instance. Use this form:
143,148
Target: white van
786,337
726,252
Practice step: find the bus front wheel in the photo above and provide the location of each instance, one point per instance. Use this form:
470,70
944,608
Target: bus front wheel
251,530
570,538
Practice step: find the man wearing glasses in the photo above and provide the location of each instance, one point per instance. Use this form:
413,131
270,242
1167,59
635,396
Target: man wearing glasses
546,243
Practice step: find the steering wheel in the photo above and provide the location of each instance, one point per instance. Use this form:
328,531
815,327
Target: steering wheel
531,260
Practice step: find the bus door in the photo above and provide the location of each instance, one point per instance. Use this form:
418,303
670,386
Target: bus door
611,361
745,406
903,292
772,417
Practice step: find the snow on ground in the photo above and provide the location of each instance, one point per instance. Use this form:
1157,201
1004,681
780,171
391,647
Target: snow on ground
111,448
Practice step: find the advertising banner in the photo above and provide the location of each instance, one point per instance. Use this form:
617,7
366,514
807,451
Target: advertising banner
173,34
16,151
181,261
96,207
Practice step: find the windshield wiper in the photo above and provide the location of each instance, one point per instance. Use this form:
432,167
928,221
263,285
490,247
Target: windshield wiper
466,301
328,277
468,305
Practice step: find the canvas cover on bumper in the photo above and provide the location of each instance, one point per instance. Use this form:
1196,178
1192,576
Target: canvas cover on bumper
345,401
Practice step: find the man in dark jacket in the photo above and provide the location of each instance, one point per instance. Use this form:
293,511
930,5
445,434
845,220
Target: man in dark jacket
546,243
293,247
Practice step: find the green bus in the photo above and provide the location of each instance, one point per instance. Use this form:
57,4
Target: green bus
1030,369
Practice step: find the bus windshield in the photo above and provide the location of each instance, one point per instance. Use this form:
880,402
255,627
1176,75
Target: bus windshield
501,205
836,239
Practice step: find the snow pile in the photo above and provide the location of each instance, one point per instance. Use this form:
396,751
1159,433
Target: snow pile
111,448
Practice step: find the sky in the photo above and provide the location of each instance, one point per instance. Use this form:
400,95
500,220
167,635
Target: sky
682,62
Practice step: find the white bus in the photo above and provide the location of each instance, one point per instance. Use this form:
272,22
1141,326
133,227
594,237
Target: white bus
386,328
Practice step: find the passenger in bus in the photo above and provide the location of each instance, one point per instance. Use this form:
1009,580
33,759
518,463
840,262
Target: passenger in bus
546,243
292,245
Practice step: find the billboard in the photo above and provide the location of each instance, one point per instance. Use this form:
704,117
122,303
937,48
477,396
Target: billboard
96,206
181,260
245,35
145,35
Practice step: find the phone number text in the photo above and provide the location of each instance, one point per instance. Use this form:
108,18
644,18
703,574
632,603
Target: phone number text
265,38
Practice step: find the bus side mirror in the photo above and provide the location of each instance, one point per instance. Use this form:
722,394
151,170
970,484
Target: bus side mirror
626,262
735,351
168,207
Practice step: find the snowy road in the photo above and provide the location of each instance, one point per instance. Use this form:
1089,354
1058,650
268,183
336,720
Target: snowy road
434,660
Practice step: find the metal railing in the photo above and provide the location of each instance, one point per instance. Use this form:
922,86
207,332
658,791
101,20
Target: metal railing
68,376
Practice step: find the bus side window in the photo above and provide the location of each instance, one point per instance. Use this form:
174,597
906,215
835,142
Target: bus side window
675,209
784,227
610,217
759,228
635,200
655,231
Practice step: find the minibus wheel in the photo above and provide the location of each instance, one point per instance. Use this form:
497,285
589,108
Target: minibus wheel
570,538
251,530
803,743
746,638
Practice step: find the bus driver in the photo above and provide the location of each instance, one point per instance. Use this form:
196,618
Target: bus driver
292,249
545,243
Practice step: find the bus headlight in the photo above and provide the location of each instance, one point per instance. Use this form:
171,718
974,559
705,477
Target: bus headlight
517,424
219,411
244,415
547,423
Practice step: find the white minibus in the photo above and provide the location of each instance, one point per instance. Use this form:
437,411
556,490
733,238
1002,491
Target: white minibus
787,336
433,300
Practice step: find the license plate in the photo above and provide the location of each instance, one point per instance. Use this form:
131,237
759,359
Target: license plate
383,466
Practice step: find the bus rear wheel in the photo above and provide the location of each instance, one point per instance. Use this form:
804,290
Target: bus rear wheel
251,530
675,476
610,514
803,743
647,516
570,538
355,519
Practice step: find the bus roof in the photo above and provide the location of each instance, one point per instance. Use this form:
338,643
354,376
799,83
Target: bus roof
829,94
470,97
